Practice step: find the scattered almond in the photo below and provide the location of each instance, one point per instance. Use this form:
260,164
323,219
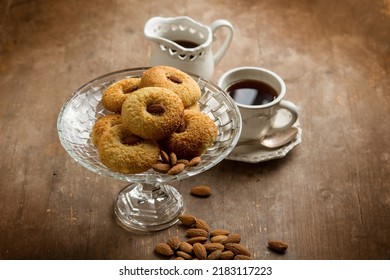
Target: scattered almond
233,238
186,247
184,255
165,157
218,238
215,255
185,161
194,232
227,255
161,167
216,232
199,223
201,191
277,245
197,247
174,243
200,251
178,168
169,163
194,161
173,158
187,220
237,249
197,239
213,247
163,249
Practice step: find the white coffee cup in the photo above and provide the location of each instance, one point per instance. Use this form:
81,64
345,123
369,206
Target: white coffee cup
260,120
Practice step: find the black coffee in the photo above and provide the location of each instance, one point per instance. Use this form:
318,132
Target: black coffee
252,92
186,44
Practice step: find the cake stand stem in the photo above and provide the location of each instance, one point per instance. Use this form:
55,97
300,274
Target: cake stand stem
148,207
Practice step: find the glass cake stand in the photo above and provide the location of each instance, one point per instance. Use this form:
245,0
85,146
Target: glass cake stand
148,203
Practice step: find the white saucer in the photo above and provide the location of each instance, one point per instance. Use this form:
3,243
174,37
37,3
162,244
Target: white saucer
255,153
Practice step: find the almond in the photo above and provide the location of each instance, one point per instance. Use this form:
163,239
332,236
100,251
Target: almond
182,127
185,161
174,243
156,108
278,245
186,247
164,157
213,247
200,251
237,249
161,167
216,232
184,255
218,238
175,79
227,255
178,168
199,223
197,239
194,161
187,220
242,257
173,158
215,255
233,238
201,191
163,249
194,232
130,89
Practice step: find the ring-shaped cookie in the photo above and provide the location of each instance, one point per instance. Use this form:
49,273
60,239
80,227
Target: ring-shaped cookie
114,96
152,112
123,152
103,124
178,81
197,133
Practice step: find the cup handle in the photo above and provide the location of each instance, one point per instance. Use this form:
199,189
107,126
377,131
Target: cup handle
292,108
229,36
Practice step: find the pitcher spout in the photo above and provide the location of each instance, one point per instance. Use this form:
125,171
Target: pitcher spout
181,32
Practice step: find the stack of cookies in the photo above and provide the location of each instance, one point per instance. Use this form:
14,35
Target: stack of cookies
153,113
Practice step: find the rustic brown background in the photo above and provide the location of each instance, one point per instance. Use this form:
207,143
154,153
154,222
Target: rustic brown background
329,198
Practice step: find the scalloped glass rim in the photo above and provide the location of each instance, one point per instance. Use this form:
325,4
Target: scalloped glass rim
80,111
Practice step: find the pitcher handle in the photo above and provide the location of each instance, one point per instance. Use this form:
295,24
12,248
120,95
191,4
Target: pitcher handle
229,36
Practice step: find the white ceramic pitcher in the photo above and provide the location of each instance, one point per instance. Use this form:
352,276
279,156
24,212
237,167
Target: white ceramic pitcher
184,43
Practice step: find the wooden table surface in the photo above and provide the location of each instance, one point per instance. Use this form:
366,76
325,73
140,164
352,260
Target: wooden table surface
329,198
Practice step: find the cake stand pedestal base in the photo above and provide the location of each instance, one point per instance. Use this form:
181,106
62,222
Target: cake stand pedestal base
147,207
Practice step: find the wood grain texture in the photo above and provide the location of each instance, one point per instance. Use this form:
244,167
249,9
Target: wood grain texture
329,198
